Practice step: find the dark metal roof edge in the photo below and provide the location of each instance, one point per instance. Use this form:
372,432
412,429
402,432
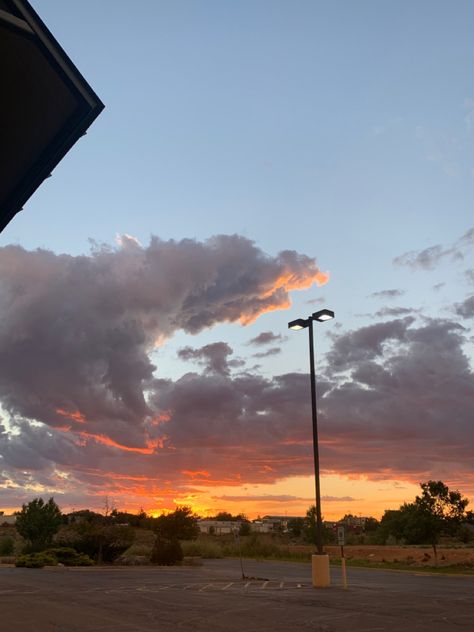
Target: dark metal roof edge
71,74
59,55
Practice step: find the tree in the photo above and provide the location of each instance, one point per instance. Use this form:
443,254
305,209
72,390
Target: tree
224,516
438,511
371,524
166,552
309,528
295,527
180,524
245,528
38,521
441,511
101,541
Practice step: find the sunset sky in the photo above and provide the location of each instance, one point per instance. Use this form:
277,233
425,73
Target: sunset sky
257,160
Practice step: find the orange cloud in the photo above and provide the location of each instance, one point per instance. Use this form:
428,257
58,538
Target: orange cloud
195,473
282,285
74,415
104,440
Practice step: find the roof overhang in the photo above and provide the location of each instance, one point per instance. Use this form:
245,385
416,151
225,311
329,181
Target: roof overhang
45,106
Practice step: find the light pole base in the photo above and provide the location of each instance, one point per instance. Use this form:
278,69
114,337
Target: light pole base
320,571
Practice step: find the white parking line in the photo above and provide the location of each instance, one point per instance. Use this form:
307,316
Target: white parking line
227,586
264,584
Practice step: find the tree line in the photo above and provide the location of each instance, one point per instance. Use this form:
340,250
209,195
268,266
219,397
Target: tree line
437,512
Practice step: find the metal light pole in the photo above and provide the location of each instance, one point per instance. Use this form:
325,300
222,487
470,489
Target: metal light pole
301,323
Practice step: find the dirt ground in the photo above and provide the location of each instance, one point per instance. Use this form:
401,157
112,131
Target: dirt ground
415,555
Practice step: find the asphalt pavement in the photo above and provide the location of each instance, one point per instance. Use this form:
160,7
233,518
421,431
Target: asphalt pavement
274,596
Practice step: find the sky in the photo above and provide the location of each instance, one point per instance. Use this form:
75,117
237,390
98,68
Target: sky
255,162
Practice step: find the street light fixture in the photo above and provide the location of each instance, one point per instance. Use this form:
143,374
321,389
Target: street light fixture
320,567
323,314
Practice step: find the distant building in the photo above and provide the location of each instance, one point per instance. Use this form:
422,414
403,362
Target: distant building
354,523
272,524
219,527
6,520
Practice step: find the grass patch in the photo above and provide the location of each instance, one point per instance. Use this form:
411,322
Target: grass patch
202,548
451,569
138,549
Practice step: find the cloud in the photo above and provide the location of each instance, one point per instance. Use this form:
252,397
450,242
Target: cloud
214,356
431,257
281,498
438,286
316,301
395,402
466,308
270,352
262,498
428,258
394,311
366,343
387,294
265,338
77,332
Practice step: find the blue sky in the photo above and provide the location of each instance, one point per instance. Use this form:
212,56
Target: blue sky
340,130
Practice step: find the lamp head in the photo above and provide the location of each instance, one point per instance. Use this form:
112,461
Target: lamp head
299,323
323,314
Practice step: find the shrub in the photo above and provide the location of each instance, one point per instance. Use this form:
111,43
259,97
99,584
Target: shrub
36,560
138,549
103,543
166,552
7,545
69,557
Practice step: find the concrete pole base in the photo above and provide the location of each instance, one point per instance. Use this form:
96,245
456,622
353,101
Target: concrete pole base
320,571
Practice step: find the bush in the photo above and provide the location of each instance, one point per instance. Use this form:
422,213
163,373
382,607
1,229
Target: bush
166,552
138,550
7,545
69,557
103,543
36,560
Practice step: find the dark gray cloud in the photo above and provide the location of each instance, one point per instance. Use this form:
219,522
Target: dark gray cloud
394,311
76,332
265,338
466,308
438,286
269,352
366,343
387,294
214,356
394,401
429,258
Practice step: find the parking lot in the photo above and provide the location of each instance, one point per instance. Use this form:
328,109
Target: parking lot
214,597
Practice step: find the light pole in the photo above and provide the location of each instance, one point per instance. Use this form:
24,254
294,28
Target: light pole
320,572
